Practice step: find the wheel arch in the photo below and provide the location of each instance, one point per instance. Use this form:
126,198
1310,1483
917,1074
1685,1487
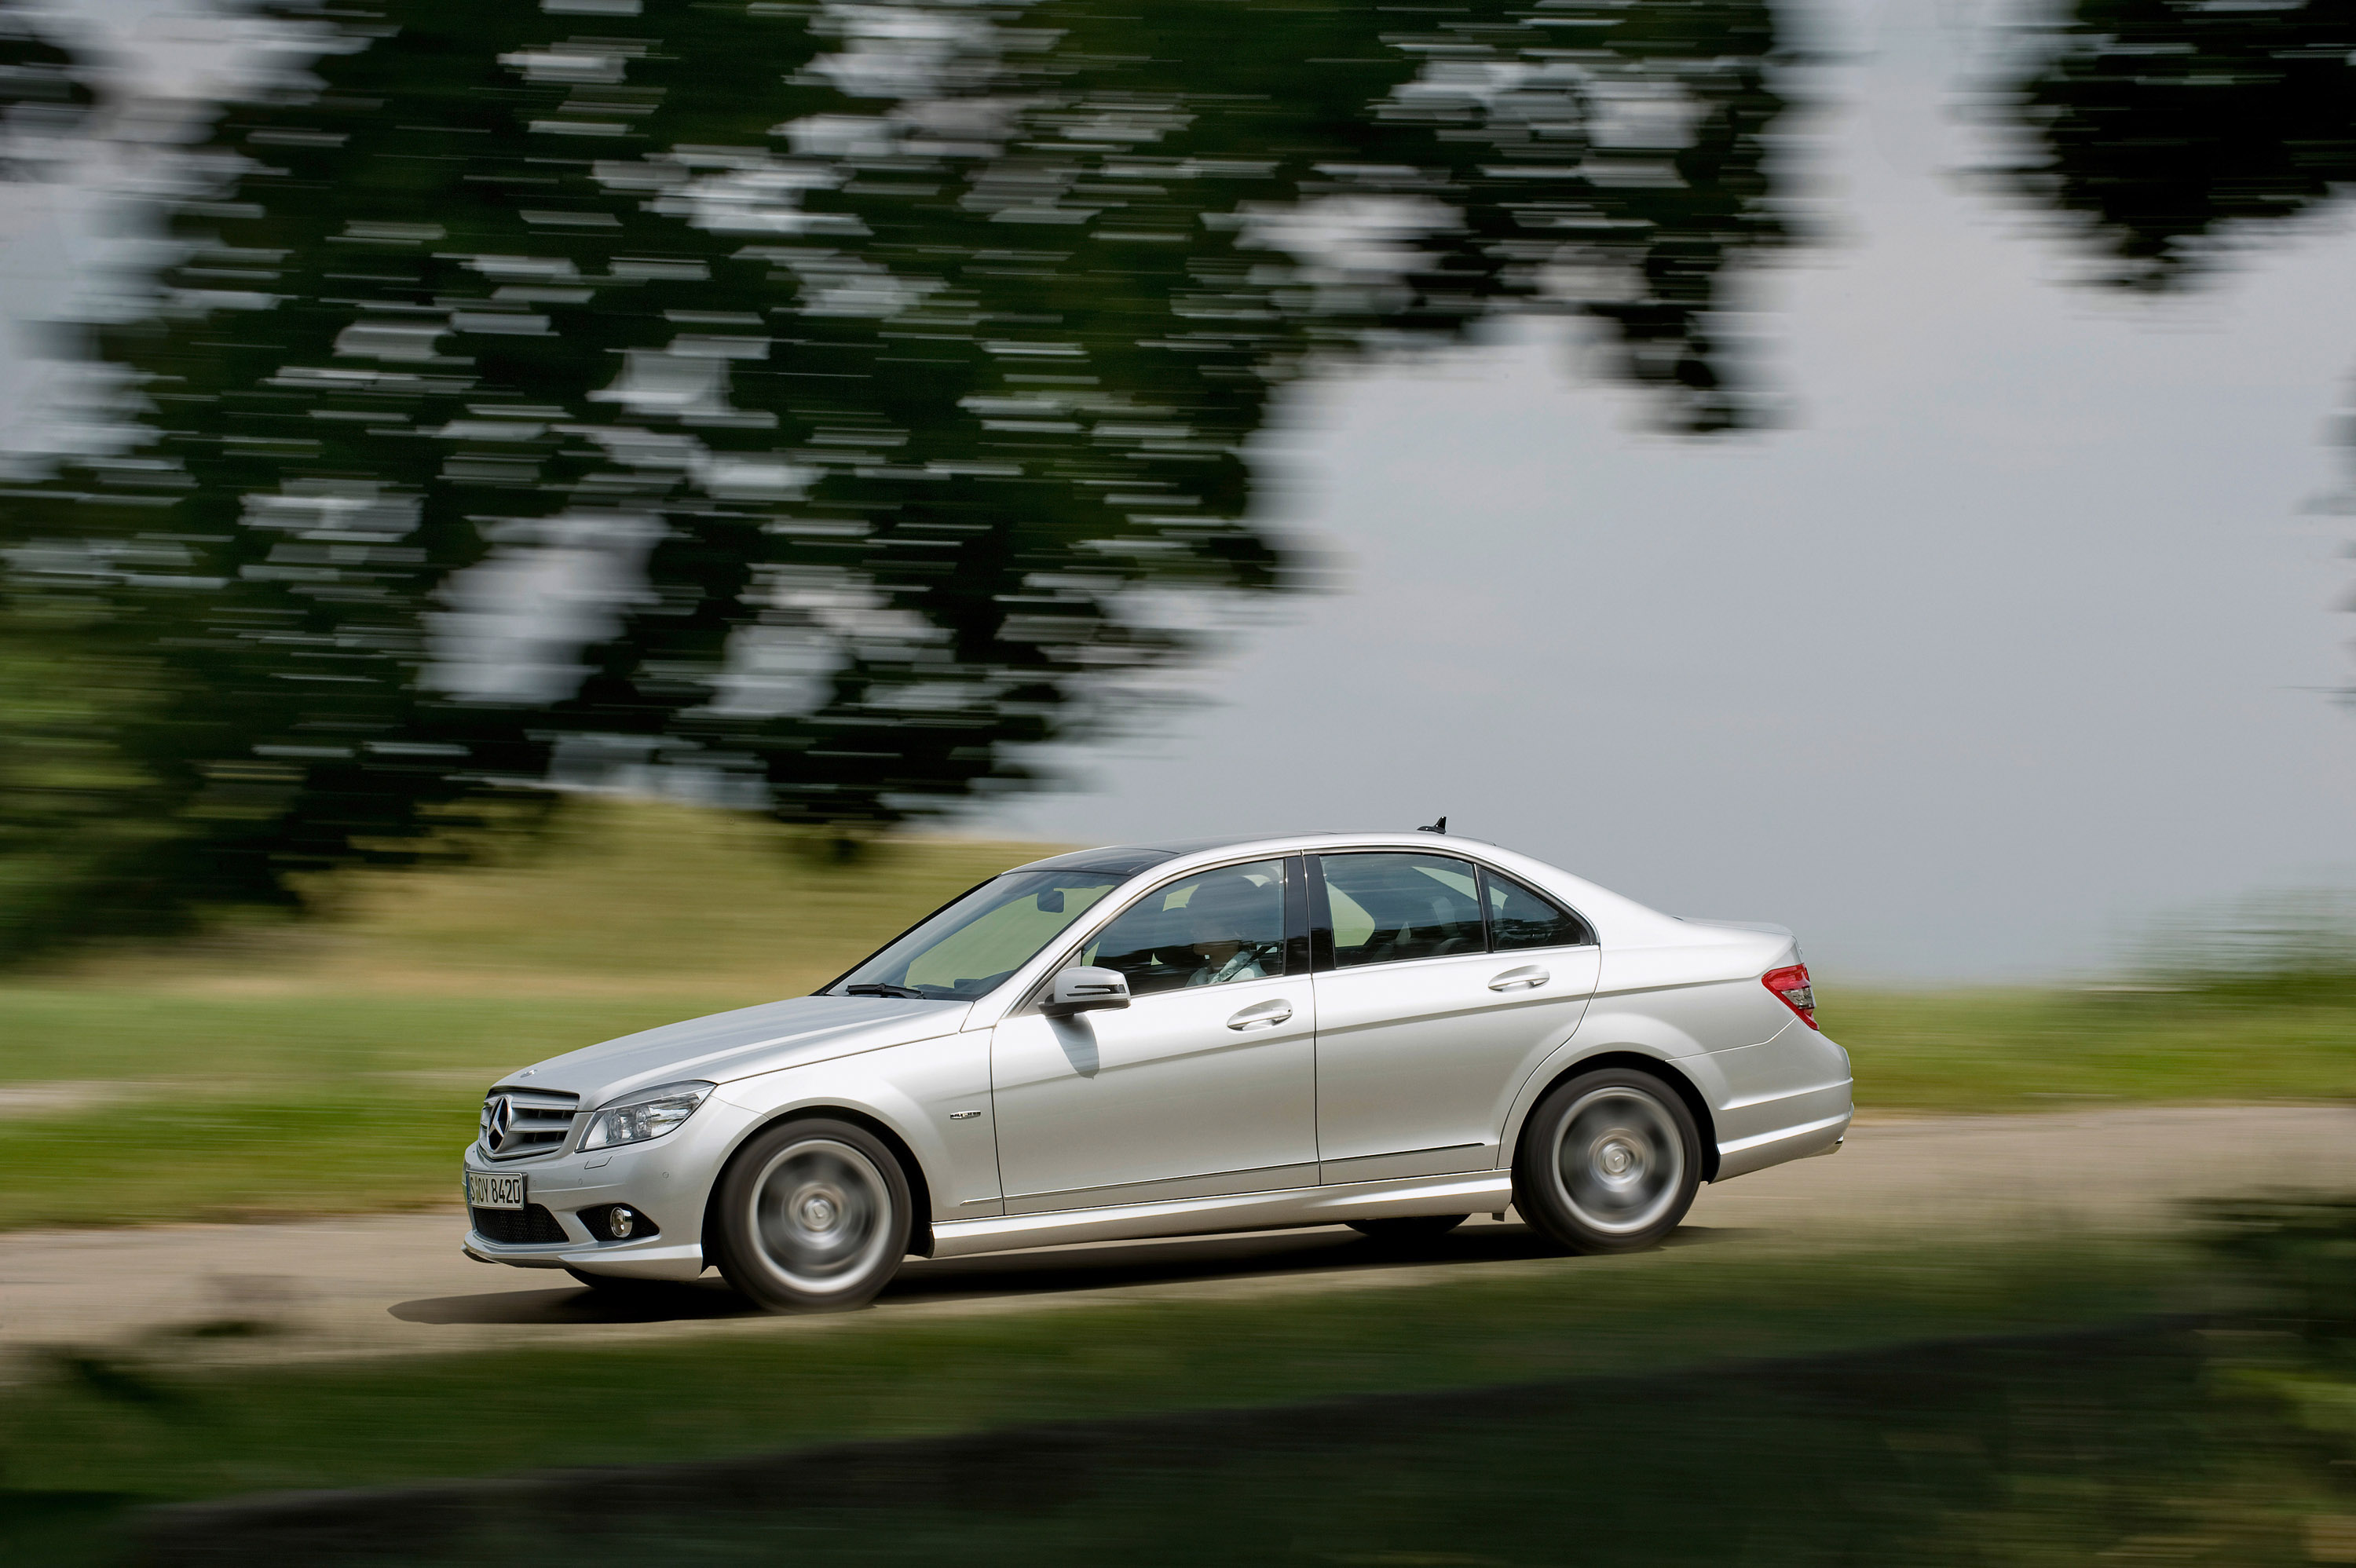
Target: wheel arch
920,1193
1662,1068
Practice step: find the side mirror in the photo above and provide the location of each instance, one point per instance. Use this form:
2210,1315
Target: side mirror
1086,990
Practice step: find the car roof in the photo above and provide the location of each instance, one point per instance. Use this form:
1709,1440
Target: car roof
1128,859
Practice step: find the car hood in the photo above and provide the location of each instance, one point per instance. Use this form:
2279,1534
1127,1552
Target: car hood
738,1044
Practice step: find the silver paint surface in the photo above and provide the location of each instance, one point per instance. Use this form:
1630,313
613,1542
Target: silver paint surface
1386,1089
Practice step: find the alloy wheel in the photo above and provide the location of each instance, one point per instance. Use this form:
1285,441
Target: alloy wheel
1619,1162
821,1212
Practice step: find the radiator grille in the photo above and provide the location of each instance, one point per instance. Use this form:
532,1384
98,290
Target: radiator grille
517,1227
519,1123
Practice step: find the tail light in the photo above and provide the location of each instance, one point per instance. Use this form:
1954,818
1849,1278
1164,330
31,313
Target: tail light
1792,989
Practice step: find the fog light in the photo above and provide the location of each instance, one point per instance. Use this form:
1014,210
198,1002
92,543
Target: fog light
620,1222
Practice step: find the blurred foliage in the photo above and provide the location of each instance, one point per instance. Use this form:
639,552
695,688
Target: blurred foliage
800,406
1980,1456
1998,1049
43,95
1358,1322
2252,1000
2283,946
2297,1252
2174,129
2167,135
1879,1440
2291,1257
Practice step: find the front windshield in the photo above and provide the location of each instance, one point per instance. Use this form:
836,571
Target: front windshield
970,948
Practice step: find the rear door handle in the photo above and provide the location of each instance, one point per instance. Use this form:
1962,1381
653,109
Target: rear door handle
1267,1015
1529,976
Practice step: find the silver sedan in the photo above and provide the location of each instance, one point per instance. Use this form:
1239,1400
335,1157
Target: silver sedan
1389,1030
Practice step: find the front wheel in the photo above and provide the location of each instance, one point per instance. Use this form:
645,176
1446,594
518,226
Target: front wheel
812,1217
1609,1162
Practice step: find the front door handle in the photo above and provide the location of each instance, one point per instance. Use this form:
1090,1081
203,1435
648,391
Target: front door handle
1267,1015
1529,976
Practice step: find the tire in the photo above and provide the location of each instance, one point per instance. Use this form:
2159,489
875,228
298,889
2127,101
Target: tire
811,1216
1409,1230
1609,1162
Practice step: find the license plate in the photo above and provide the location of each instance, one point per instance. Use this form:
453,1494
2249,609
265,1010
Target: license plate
490,1190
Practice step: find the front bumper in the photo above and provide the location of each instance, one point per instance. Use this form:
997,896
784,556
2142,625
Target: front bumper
667,1180
658,1259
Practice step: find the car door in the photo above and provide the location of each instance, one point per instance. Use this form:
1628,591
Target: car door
1440,985
1205,1084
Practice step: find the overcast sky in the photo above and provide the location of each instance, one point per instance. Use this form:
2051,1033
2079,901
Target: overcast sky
2019,636
2015,641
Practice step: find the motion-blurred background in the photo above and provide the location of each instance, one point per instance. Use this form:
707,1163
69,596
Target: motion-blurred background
521,521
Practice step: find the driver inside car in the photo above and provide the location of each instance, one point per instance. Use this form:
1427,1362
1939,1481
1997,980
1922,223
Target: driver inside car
1221,918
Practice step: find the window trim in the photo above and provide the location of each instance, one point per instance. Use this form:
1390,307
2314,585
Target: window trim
1029,1005
1299,941
1320,914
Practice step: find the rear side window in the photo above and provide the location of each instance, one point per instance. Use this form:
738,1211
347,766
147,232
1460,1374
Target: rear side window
1389,908
1520,918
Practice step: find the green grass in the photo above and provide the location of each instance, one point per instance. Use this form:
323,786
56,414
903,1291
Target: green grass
2124,1447
620,900
85,1424
351,1052
237,1159
228,1044
2018,1050
2024,1455
343,1060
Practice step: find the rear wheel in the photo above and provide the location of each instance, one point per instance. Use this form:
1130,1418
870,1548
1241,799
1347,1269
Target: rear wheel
1409,1230
813,1216
1609,1162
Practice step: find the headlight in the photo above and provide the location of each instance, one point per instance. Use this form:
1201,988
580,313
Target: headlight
648,1113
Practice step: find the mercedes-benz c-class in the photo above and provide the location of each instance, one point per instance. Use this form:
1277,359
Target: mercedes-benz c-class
1391,1030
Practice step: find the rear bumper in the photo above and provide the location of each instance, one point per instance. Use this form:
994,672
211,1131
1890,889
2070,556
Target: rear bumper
1822,1136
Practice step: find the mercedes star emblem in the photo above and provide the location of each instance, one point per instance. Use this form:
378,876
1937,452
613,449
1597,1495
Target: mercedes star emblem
499,1113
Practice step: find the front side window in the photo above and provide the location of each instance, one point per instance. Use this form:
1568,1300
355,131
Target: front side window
1389,908
1520,918
972,947
1204,930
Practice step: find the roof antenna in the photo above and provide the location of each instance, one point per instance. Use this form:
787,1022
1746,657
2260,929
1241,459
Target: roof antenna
1439,826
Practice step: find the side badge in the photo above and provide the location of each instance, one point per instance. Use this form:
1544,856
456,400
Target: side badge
963,1115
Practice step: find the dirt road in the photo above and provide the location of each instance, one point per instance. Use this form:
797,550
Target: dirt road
398,1284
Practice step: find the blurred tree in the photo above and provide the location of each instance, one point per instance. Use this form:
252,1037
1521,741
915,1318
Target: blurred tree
806,404
69,810
2171,132
2173,129
44,93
